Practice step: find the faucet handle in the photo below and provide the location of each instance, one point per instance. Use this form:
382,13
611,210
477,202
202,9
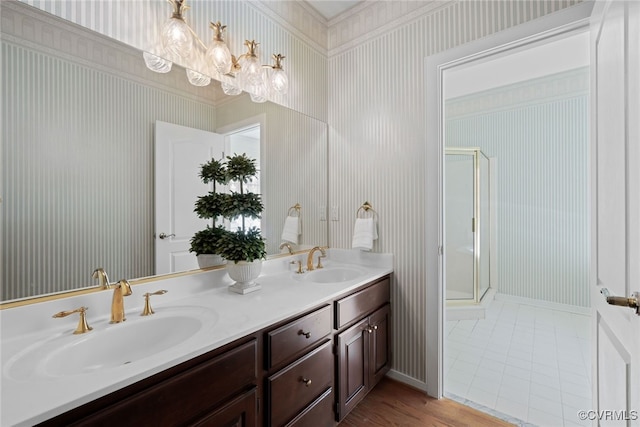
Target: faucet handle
83,326
322,255
148,311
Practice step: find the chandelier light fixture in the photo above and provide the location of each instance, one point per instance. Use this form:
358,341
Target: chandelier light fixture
179,44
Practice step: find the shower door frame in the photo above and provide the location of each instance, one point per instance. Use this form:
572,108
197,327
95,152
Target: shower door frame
477,219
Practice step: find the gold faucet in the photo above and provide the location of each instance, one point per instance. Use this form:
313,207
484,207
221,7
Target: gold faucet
122,289
83,326
310,257
288,246
103,279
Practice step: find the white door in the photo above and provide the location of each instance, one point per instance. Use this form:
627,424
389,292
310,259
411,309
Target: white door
616,212
179,152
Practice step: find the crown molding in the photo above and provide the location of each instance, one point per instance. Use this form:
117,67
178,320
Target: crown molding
294,17
369,21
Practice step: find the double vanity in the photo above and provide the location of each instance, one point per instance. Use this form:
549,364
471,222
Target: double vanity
304,350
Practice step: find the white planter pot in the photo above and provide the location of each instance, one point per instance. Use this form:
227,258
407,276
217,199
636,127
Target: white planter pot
209,260
245,274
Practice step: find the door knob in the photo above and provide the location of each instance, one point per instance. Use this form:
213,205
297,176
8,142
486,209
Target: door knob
632,302
165,236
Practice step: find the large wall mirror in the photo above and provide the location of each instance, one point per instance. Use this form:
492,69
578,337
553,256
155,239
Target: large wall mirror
78,155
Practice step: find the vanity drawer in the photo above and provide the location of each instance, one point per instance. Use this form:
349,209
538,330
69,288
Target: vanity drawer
298,385
289,340
361,303
318,414
199,389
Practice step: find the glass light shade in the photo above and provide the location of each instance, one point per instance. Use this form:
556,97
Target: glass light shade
156,63
177,39
259,92
230,89
197,68
252,71
197,79
219,56
279,81
258,99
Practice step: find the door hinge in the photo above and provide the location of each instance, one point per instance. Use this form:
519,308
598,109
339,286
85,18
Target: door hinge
440,250
473,225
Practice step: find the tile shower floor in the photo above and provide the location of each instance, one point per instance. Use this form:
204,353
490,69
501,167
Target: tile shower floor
528,365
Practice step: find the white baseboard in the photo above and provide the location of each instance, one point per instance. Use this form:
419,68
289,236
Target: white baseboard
398,376
586,311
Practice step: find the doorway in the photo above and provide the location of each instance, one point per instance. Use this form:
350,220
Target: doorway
526,357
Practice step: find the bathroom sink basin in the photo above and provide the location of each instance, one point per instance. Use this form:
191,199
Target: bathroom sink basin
110,346
332,275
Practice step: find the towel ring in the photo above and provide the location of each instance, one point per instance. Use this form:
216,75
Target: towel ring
366,207
295,208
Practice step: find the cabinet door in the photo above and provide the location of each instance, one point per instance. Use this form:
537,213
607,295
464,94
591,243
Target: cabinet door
380,348
353,367
240,412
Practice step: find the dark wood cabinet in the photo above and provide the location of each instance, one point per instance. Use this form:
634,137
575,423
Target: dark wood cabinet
363,350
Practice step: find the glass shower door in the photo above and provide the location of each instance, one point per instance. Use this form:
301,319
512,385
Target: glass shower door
459,214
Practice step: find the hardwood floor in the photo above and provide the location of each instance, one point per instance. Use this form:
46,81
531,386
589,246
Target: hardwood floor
392,403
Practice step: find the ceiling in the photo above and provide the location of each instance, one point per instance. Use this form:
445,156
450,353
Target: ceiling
332,8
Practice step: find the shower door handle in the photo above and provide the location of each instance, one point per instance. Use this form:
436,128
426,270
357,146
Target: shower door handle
632,302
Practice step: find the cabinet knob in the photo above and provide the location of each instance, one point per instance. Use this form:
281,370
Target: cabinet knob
306,334
306,381
370,328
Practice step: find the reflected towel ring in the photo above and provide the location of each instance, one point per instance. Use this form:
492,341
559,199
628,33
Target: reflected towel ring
295,208
366,207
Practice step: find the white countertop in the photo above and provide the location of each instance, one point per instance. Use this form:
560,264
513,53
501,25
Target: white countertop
30,400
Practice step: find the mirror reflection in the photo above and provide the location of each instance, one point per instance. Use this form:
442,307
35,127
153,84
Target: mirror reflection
78,161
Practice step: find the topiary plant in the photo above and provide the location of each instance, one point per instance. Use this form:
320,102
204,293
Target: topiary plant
208,241
242,245
210,206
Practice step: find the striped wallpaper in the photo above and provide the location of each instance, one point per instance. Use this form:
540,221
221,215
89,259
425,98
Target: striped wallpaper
538,133
377,148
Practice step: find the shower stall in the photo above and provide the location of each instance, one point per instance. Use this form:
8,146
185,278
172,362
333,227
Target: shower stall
468,227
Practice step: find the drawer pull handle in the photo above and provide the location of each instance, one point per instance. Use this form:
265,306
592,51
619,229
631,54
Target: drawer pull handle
306,334
306,381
